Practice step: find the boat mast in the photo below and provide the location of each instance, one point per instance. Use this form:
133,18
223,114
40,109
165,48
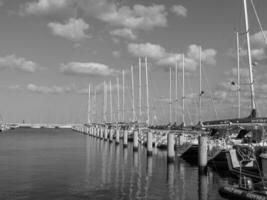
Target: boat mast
95,110
118,99
238,72
110,101
176,91
147,93
200,84
183,98
140,89
123,97
253,105
105,102
89,105
133,108
170,100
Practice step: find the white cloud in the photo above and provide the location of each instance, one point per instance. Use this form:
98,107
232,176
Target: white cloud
78,68
17,63
74,29
138,17
257,39
46,90
116,54
125,33
164,58
258,48
179,10
207,55
259,54
149,50
41,7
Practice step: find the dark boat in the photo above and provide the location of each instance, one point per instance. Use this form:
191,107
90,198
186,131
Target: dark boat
244,192
243,161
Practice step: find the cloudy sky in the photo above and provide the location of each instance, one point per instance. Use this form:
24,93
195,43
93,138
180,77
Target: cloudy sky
52,49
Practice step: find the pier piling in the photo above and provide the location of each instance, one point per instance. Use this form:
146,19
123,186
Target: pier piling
149,143
171,153
202,153
111,132
101,133
135,141
125,138
117,136
106,134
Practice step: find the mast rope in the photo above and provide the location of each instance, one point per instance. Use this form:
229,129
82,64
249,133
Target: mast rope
259,22
212,100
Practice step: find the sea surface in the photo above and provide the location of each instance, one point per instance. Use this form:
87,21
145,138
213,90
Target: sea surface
55,164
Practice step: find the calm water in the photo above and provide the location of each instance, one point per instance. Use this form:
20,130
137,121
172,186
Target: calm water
62,164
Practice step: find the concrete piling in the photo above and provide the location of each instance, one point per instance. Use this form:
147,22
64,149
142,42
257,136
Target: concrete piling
125,138
149,143
101,133
135,141
117,138
171,152
94,131
111,132
98,132
106,134
202,153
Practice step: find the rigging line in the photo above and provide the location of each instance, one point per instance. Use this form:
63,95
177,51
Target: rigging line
193,98
155,90
188,113
259,22
212,100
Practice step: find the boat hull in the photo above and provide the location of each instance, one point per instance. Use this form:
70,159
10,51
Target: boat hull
230,192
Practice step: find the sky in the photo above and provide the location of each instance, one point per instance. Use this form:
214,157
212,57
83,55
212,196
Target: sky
51,50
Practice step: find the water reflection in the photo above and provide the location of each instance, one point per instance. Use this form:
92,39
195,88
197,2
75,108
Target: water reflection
69,165
135,159
202,186
170,179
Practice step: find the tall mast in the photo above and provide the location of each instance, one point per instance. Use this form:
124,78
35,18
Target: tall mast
140,89
183,98
253,105
133,108
89,105
118,99
147,93
105,102
200,83
110,101
95,110
176,91
170,100
238,72
123,96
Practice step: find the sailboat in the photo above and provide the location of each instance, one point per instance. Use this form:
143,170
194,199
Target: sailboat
242,160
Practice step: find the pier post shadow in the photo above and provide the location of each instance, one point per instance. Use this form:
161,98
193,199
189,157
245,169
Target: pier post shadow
170,174
135,159
202,186
125,155
149,165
